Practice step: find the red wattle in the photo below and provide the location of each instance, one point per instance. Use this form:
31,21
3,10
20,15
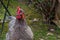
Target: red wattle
18,17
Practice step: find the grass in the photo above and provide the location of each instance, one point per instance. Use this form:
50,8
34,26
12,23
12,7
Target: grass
39,29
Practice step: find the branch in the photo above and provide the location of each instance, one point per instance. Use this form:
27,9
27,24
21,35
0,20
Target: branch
53,5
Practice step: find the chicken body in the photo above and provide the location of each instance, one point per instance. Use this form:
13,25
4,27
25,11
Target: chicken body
19,30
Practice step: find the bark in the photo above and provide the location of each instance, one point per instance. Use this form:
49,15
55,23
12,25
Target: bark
58,10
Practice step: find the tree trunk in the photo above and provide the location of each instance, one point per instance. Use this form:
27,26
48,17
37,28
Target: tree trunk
58,10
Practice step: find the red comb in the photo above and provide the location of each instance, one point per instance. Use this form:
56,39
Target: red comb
20,14
18,10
